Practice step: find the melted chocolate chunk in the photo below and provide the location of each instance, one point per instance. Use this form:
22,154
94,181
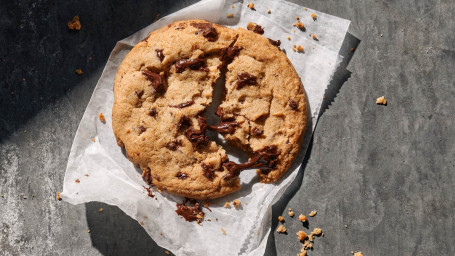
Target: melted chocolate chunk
265,158
208,31
256,131
142,129
219,112
193,64
153,112
229,53
173,145
276,43
245,79
139,93
293,105
159,54
197,137
224,127
258,30
183,104
184,123
208,171
181,175
157,80
190,213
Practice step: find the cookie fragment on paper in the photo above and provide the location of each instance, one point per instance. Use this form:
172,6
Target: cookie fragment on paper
381,101
75,23
236,203
251,6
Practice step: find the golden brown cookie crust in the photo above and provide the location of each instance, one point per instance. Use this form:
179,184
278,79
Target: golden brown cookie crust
148,112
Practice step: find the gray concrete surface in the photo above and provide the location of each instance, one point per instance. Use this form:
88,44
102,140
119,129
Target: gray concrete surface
387,172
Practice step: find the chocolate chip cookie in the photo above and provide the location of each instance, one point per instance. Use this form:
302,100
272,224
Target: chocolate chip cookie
164,85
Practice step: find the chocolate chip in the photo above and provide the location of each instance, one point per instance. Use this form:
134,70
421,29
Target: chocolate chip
208,31
142,129
265,158
245,79
183,105
276,43
181,175
159,54
173,145
224,127
293,105
255,28
190,213
197,137
193,64
229,53
157,80
153,112
208,171
256,131
139,93
184,123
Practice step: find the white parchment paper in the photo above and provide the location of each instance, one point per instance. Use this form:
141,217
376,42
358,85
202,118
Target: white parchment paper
112,179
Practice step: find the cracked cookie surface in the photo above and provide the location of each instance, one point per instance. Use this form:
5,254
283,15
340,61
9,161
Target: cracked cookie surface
166,82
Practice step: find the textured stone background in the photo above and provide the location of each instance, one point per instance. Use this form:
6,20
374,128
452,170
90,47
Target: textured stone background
387,172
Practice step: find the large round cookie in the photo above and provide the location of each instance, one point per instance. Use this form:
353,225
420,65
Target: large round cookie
166,82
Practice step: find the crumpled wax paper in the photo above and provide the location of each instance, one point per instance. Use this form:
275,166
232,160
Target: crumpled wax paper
112,179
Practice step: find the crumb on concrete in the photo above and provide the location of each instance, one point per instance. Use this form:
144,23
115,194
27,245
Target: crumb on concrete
167,252
313,213
281,229
291,212
223,231
280,218
102,119
358,253
307,245
101,210
352,49
301,235
75,23
58,196
303,218
89,231
311,238
236,203
317,232
229,15
25,197
381,100
79,71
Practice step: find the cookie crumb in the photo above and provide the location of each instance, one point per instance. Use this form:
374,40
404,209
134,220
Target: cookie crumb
382,35
236,203
93,139
303,218
306,9
311,237
301,235
315,37
223,231
298,24
102,119
281,229
142,223
75,23
25,197
77,181
101,210
312,213
280,218
307,245
79,71
167,252
58,196
229,15
313,15
346,226
251,6
289,38
317,232
381,100
291,212
358,253
227,205
269,11
352,49
299,48
156,17
88,231
86,175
